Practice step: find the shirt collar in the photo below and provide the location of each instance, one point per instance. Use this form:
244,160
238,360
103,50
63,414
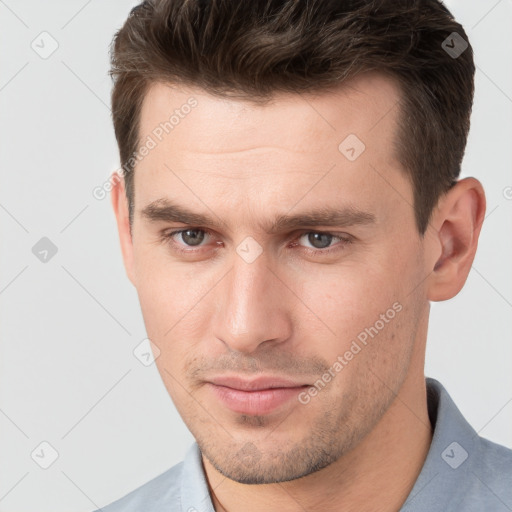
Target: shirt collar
195,495
452,457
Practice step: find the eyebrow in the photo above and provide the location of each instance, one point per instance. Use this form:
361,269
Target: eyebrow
166,211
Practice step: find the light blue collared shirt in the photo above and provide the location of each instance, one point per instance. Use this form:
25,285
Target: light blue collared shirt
463,472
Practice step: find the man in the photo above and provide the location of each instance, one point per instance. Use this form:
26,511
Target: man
288,206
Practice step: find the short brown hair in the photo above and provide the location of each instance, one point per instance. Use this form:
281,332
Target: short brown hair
251,49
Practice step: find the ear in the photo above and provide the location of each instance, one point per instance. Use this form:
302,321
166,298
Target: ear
457,221
120,206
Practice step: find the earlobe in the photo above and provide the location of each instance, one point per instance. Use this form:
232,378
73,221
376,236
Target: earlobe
459,219
120,207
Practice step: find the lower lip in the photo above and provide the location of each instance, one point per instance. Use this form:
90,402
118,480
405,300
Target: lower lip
258,402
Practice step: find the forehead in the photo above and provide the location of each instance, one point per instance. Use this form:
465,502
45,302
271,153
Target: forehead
237,156
307,122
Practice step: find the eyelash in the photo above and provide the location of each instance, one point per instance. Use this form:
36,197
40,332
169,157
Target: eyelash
345,240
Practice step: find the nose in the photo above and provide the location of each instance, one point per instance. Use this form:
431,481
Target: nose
252,306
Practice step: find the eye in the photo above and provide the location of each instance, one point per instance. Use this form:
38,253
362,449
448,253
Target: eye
191,237
321,241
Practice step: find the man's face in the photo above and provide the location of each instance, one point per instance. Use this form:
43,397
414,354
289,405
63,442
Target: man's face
281,343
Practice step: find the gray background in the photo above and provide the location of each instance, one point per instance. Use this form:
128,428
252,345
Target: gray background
69,325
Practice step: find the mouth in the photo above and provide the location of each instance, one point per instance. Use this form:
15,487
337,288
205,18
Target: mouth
259,396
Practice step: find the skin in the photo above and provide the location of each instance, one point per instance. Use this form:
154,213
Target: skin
360,443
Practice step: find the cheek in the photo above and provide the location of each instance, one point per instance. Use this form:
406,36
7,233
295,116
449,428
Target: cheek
177,308
366,327
166,289
361,313
348,299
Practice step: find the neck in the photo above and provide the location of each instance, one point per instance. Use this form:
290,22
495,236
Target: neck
378,474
